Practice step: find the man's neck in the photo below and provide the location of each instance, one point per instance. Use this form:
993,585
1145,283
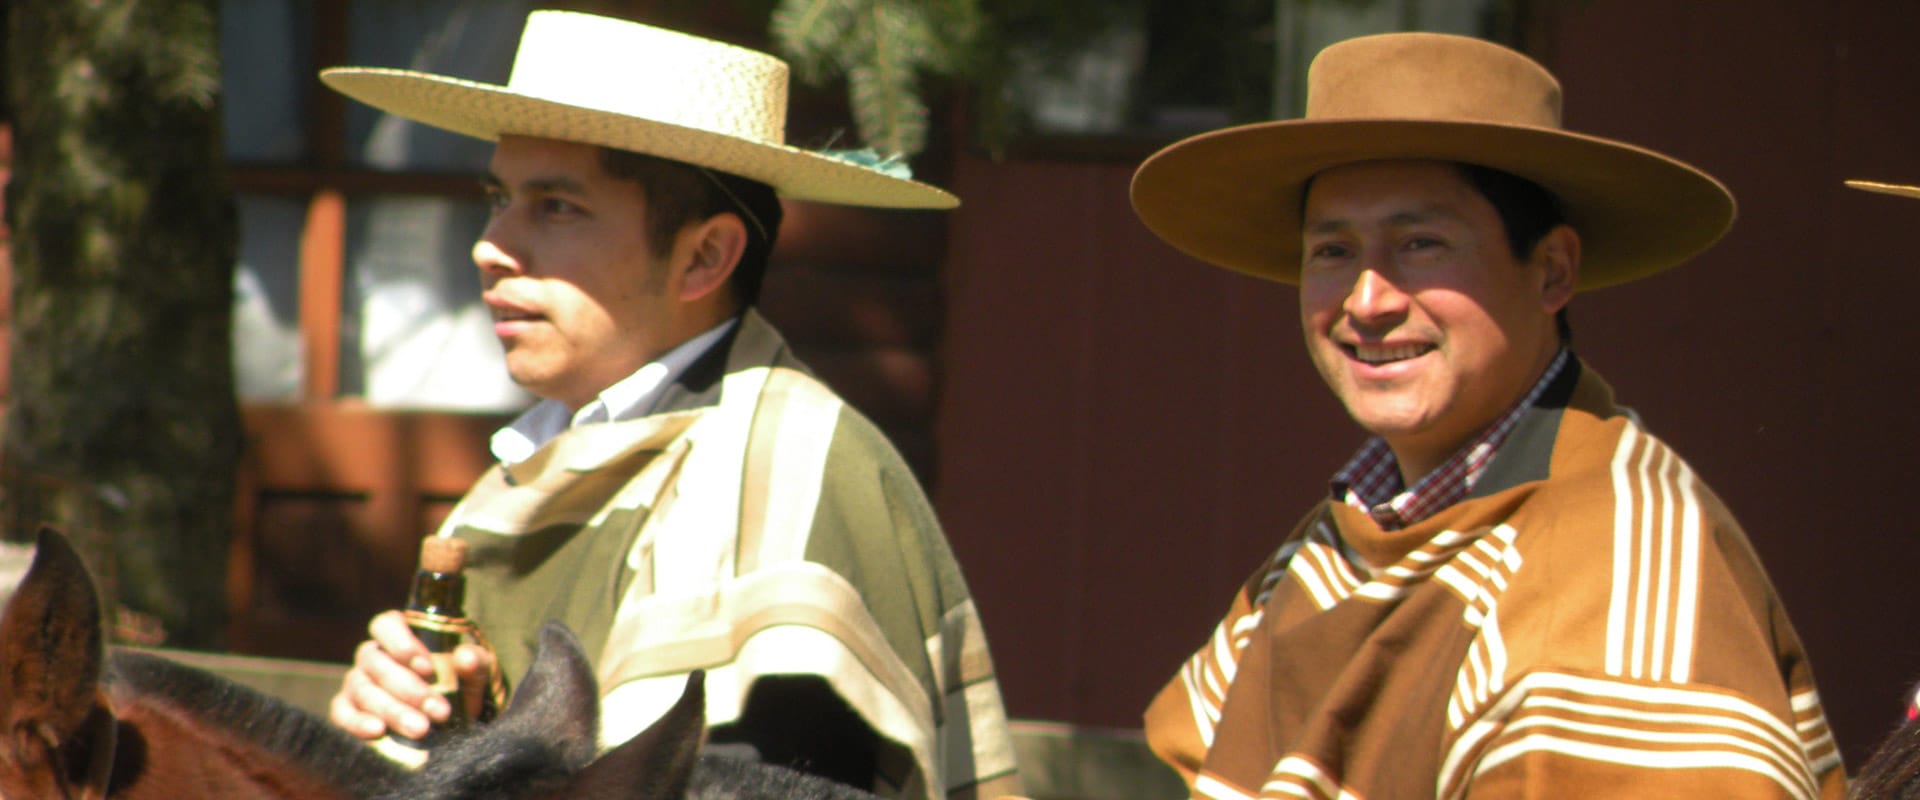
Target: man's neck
1418,459
636,395
691,322
638,388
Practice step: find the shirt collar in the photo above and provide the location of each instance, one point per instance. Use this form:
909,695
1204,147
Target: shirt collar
1370,480
631,397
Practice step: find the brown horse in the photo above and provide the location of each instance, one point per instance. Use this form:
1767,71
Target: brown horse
79,721
83,722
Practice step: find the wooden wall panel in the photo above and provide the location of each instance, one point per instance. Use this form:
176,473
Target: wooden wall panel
336,500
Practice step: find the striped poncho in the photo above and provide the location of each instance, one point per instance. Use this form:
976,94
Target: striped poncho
762,528
1589,622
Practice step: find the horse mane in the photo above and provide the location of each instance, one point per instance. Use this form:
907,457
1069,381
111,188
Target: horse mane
1893,771
719,777
500,766
275,726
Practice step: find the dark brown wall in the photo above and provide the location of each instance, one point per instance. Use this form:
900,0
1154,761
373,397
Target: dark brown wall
1116,451
1780,363
1124,432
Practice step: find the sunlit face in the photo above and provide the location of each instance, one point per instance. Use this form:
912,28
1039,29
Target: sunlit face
1415,311
579,298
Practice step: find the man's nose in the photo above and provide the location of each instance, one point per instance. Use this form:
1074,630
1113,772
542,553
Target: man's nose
493,254
1375,297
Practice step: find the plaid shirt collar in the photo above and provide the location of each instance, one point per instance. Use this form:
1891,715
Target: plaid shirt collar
1370,481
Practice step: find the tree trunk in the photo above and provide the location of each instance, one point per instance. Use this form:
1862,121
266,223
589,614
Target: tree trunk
122,426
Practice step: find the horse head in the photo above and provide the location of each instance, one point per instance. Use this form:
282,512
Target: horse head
78,721
82,721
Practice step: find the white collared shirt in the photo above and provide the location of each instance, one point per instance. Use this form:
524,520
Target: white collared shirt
631,397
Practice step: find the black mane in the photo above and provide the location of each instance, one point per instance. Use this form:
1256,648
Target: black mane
500,765
278,727
723,778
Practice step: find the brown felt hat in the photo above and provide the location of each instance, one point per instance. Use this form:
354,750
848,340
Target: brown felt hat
1232,197
1902,190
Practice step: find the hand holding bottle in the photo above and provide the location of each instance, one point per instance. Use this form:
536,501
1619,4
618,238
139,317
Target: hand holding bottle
402,684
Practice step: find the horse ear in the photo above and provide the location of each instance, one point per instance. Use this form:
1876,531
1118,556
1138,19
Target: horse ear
50,660
658,763
559,699
50,641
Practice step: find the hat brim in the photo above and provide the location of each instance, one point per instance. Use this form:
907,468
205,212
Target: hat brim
487,111
1233,197
1886,188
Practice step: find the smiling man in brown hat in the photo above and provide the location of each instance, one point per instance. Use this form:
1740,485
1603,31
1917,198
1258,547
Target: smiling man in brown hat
686,496
1513,589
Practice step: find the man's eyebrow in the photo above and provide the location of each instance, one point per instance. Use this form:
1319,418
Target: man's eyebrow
1416,216
1325,226
1412,216
545,183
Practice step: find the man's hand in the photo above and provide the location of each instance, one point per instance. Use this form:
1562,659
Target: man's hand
388,686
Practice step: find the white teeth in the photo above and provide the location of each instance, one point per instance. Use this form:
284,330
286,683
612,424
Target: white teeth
1381,354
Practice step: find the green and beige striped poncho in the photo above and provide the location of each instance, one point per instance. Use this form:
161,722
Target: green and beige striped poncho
1590,622
762,528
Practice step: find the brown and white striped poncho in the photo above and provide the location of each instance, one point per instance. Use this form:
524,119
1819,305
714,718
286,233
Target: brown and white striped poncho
1590,622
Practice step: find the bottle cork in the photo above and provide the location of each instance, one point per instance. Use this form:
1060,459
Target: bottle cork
443,554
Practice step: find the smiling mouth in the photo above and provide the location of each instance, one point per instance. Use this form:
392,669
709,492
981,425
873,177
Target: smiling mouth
1377,354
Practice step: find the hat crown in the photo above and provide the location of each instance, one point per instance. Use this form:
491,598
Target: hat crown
1431,76
641,71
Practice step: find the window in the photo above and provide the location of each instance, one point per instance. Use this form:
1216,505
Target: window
354,278
1121,78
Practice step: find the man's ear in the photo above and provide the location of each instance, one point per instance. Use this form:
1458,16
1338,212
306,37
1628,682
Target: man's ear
1558,256
714,247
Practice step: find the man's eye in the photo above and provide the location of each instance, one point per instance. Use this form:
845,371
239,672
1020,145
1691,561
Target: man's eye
494,197
1327,250
556,206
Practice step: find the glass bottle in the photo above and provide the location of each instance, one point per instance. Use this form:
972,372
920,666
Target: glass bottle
436,613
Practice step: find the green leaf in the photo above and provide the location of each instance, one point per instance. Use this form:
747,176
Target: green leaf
811,34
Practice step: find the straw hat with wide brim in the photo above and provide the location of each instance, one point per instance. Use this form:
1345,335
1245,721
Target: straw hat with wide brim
1232,197
1900,189
603,81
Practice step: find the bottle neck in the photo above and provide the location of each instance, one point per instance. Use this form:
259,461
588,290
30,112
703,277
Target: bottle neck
442,593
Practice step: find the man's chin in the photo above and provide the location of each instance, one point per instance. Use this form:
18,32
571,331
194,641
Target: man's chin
535,381
1391,423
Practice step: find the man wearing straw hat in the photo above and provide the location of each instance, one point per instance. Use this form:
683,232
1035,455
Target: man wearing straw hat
1513,589
686,496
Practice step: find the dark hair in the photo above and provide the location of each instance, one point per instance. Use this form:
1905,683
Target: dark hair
679,194
1527,213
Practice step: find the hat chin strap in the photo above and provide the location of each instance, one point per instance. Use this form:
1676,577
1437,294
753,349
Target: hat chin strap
759,226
